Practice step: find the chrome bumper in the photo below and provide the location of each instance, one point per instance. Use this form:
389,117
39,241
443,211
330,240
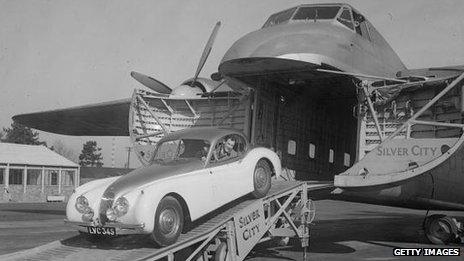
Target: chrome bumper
121,229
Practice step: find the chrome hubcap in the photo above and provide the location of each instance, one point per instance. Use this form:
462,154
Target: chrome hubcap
169,221
260,175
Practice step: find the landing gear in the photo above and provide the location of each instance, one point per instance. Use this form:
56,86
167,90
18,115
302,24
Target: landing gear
442,230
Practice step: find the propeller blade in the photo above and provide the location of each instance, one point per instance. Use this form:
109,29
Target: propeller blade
151,83
206,51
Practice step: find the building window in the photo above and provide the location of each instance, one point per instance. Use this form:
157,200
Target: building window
68,177
34,176
291,149
51,177
15,177
347,160
2,173
331,156
312,150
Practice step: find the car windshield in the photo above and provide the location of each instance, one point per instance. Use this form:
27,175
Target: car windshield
316,12
181,150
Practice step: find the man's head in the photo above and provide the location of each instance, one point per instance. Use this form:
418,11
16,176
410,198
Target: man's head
229,144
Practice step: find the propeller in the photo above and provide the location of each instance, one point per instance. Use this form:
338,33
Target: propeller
162,88
151,83
206,51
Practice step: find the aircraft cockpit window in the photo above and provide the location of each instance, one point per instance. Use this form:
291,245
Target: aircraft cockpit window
360,25
346,19
316,13
280,17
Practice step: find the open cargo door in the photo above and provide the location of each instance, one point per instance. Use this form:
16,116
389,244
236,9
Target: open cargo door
152,116
408,130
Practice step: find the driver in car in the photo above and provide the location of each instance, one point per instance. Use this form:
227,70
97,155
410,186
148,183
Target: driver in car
226,150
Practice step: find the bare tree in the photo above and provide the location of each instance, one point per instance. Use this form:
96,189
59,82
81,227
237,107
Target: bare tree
60,148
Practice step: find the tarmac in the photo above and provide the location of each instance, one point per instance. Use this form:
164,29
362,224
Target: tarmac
341,231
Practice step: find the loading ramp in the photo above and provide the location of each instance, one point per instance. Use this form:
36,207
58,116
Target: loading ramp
229,233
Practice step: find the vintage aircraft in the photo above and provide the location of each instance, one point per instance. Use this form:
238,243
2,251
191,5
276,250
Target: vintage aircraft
309,67
322,41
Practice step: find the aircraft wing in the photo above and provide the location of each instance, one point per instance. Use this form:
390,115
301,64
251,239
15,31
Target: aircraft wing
433,72
101,119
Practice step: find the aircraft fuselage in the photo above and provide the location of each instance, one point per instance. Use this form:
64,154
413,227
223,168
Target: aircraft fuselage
295,48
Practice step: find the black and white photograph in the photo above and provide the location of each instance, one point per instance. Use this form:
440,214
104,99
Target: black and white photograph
230,130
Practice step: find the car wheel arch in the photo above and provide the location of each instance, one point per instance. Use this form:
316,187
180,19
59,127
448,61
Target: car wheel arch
268,161
185,208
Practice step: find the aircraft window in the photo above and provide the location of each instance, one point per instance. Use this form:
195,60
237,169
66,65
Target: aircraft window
280,17
358,19
312,150
365,31
358,28
331,156
291,149
345,18
316,12
347,160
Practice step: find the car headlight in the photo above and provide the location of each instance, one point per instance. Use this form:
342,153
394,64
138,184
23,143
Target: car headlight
88,215
120,207
82,205
111,215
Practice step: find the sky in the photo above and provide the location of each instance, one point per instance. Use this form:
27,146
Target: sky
62,53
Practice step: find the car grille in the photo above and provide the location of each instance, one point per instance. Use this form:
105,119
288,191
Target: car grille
105,204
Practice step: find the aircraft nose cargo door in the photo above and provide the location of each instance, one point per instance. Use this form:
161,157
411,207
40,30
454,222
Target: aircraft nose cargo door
308,124
422,130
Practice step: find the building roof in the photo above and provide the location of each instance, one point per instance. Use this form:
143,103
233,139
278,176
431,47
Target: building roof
40,155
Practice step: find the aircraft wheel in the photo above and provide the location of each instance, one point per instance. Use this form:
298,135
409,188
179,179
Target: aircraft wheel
440,229
221,252
169,221
261,179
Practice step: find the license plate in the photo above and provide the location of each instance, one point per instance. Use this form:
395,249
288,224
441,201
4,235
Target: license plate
106,231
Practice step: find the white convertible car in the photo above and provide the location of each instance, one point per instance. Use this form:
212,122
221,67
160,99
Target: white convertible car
193,172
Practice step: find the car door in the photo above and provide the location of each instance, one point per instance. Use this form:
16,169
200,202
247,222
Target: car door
228,176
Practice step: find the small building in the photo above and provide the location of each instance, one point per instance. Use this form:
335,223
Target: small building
34,173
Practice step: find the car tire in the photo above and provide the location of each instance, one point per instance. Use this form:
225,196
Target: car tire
261,179
169,221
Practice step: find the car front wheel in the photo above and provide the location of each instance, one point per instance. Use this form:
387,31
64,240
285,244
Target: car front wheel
261,179
169,220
